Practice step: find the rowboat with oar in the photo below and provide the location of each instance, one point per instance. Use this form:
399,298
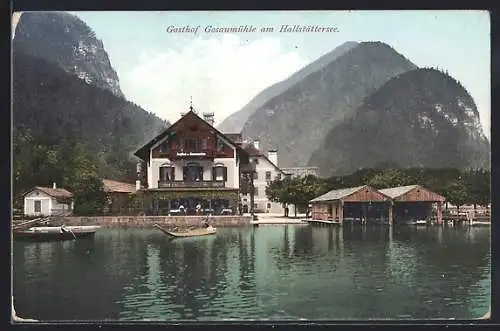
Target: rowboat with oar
55,233
189,233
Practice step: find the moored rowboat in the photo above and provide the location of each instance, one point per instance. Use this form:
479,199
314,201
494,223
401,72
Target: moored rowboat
191,233
55,233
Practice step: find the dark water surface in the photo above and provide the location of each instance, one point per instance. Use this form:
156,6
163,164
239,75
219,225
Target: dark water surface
271,272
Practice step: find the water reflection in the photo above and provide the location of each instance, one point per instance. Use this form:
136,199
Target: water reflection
270,272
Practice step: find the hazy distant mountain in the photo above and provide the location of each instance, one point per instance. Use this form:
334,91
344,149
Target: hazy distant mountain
419,118
236,121
70,43
297,121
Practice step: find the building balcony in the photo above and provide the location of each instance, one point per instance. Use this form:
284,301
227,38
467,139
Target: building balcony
191,184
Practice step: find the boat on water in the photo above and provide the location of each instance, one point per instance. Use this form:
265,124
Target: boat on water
55,233
189,233
421,222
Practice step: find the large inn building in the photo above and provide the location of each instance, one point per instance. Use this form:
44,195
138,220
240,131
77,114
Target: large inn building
193,164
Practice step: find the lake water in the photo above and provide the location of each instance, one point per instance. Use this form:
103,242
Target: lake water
272,272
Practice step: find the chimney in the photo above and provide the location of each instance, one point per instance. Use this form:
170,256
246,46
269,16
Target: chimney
272,155
137,185
209,118
54,185
256,143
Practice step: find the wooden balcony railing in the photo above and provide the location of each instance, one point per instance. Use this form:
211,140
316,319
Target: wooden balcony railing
191,184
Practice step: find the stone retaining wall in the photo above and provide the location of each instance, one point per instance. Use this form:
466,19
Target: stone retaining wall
148,221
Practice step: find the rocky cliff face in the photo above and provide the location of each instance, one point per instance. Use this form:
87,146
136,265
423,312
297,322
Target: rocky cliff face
421,118
297,121
65,40
236,121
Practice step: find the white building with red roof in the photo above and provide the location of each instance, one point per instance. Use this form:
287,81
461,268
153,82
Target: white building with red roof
47,201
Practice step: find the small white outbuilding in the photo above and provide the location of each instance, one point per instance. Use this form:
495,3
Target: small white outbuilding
46,201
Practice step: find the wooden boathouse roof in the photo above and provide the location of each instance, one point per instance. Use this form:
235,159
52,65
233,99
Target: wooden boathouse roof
352,194
412,193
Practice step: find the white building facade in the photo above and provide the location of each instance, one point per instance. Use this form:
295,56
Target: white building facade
266,170
46,201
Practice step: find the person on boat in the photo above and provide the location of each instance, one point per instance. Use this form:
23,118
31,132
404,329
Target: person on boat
181,209
205,224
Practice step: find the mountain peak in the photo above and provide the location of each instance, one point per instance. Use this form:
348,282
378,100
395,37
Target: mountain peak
425,115
236,121
297,120
64,39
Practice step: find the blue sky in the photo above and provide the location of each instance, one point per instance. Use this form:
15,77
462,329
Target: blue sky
160,71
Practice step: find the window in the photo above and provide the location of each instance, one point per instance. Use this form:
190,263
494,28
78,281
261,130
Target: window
268,175
255,206
192,172
268,205
167,172
219,172
255,191
38,206
190,144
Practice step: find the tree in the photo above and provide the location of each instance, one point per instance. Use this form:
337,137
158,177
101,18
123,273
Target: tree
478,183
278,190
297,191
83,179
456,193
388,177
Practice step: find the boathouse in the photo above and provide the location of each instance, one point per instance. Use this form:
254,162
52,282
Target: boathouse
47,201
361,202
414,202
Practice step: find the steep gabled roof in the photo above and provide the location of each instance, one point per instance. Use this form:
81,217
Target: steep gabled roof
58,193
117,187
337,194
252,151
237,138
398,191
143,152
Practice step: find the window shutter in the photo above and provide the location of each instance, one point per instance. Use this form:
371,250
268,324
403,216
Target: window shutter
172,177
213,173
225,174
